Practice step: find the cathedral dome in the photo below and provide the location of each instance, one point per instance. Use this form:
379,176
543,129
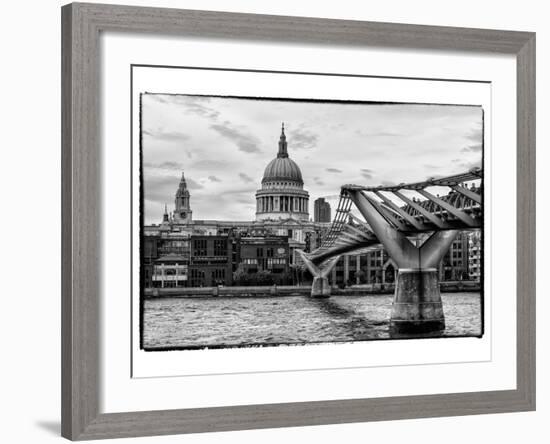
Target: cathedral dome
282,195
282,167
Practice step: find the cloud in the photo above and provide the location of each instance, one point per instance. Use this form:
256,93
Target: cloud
166,136
196,105
169,165
213,179
471,149
209,164
244,190
302,138
318,181
244,141
366,173
378,133
189,104
333,170
161,98
469,165
245,178
475,134
192,185
160,189
430,166
388,183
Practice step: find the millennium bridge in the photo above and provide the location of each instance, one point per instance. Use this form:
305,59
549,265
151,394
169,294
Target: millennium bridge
416,232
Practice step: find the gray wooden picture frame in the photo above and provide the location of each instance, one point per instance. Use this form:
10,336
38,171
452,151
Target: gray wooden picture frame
81,172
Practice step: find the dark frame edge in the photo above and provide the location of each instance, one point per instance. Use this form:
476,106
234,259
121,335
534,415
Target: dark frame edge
67,425
66,257
81,420
80,222
526,221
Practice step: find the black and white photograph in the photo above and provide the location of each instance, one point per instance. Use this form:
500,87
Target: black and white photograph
273,221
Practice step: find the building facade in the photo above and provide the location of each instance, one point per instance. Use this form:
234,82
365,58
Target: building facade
269,254
454,265
184,252
211,261
321,210
170,271
474,256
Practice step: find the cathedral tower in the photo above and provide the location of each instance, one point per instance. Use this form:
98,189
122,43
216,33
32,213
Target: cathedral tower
182,212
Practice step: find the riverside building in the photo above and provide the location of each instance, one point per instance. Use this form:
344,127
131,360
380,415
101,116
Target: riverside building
182,251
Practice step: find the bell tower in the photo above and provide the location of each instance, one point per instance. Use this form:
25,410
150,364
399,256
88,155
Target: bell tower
182,212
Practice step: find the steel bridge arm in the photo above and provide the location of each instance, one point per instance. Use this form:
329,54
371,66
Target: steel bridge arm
396,243
430,216
406,216
458,213
390,217
341,249
468,193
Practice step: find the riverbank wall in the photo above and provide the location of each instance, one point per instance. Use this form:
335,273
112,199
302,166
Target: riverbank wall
294,290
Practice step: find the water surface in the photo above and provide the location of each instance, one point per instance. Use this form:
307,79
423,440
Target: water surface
262,321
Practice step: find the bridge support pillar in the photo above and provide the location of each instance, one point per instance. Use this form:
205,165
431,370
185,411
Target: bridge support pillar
320,287
417,306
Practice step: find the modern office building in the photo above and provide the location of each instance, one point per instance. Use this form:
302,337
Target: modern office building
321,210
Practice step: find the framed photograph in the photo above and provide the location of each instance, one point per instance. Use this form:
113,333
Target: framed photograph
278,221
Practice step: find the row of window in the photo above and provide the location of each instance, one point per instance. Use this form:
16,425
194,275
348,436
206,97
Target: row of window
269,261
200,247
268,251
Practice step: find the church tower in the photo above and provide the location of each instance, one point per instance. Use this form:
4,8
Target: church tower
182,212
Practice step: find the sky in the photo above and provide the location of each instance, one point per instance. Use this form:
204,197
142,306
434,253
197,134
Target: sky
224,144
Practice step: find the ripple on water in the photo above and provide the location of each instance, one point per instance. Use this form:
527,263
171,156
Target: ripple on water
231,322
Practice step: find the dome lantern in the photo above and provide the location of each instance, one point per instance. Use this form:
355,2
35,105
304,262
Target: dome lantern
282,144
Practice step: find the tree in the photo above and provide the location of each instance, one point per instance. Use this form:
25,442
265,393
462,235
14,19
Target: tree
262,277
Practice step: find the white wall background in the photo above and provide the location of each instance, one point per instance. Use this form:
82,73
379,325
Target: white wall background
30,220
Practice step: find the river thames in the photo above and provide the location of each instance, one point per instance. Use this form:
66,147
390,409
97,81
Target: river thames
190,323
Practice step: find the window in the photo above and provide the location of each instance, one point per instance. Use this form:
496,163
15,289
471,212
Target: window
197,278
220,247
275,261
200,247
218,276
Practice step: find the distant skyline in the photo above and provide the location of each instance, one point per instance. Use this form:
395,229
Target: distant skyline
224,144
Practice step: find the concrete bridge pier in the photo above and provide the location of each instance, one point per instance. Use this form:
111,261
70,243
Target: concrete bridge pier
320,287
417,306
